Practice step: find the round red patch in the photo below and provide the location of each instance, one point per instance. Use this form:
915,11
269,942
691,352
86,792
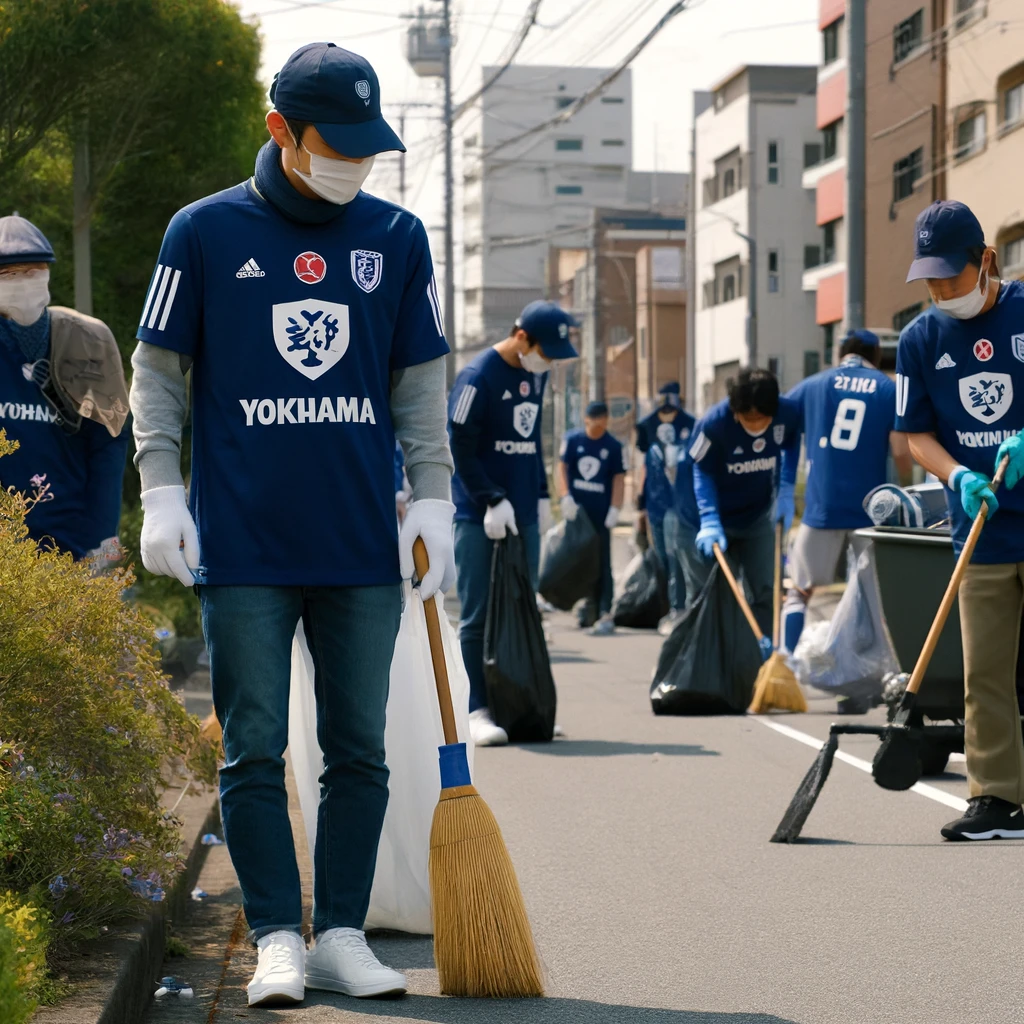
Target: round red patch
310,267
983,350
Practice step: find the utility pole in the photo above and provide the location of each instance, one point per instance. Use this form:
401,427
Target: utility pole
856,145
449,197
80,218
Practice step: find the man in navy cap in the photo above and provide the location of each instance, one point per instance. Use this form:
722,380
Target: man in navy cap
959,380
661,439
63,399
500,484
592,478
308,313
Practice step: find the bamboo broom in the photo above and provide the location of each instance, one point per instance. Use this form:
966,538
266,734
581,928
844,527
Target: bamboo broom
483,945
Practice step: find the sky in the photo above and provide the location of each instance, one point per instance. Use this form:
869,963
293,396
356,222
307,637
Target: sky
695,50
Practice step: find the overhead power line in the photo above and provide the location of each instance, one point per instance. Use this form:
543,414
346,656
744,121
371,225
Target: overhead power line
591,94
505,60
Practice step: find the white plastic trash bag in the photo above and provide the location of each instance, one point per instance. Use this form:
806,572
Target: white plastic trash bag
400,899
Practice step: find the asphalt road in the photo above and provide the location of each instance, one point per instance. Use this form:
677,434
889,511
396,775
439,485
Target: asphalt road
642,849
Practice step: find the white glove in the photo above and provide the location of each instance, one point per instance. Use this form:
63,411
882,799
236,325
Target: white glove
611,519
431,519
401,504
544,520
170,541
570,509
500,518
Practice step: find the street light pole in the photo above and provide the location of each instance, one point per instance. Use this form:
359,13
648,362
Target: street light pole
449,198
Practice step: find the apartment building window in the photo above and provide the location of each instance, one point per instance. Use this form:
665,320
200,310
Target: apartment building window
970,135
568,190
812,363
613,142
773,163
613,99
1012,261
904,316
828,242
965,12
572,145
831,38
812,154
907,36
1012,106
728,182
728,287
812,256
829,337
830,140
773,271
773,366
905,173
564,101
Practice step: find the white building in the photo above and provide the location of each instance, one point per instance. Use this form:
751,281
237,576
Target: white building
748,166
533,194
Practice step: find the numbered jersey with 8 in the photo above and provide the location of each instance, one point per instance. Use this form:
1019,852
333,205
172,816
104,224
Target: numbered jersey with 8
848,413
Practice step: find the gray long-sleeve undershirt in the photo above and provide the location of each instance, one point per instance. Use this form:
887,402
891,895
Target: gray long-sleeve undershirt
159,401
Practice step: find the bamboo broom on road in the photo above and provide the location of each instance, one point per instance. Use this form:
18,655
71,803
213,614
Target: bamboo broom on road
483,945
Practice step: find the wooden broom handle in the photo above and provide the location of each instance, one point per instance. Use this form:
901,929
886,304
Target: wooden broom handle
777,597
738,593
444,692
946,606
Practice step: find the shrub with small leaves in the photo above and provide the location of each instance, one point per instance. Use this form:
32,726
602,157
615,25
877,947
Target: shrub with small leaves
23,939
89,734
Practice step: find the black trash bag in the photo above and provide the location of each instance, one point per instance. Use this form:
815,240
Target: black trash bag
643,602
520,688
710,661
571,563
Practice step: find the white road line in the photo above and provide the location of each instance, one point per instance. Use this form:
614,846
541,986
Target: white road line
921,788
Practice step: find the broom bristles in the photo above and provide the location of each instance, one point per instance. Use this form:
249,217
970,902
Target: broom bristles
776,688
483,945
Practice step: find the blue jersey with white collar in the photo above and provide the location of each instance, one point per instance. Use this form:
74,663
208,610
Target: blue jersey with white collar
295,330
963,380
591,466
847,413
736,473
494,421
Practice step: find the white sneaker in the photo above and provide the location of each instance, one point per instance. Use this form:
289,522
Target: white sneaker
278,978
483,730
669,622
341,961
605,626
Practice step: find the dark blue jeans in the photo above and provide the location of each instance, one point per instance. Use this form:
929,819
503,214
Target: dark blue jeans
604,592
351,633
473,549
666,534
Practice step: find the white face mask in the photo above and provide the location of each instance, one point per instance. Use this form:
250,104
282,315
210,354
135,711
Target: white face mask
968,306
24,296
337,181
534,362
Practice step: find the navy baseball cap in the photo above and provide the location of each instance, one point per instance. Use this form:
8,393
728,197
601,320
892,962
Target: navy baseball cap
338,93
595,410
22,242
548,324
943,235
869,338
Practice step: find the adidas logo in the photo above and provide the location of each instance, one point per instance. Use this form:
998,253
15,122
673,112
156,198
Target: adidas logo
945,363
739,450
249,269
507,395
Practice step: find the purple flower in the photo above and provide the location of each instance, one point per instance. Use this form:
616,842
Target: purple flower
146,889
127,872
67,918
112,730
79,838
38,480
58,887
63,798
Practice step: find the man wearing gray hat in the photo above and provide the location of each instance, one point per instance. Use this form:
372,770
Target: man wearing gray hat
63,399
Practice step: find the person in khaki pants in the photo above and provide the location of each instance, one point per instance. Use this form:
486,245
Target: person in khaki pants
960,399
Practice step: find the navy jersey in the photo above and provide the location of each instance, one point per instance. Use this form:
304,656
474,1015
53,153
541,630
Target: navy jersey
684,499
654,439
963,380
737,473
590,468
295,330
83,471
847,414
494,422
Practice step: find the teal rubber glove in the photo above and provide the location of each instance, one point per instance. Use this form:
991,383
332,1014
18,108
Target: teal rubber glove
1014,448
973,488
785,508
710,534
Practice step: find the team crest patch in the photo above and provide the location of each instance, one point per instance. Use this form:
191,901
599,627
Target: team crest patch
588,467
987,396
366,268
310,267
311,335
524,389
684,434
1018,346
779,432
524,416
983,350
604,453
363,89
759,445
